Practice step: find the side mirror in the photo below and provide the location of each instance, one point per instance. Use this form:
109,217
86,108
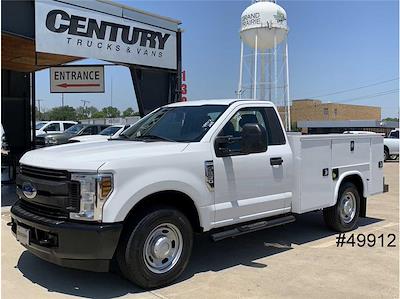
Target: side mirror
221,146
254,139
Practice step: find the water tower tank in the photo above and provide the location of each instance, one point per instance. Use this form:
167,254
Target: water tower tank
267,21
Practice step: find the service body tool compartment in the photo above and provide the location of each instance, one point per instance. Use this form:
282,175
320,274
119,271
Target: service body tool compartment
316,157
313,177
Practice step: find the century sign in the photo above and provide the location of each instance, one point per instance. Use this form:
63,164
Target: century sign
68,79
67,30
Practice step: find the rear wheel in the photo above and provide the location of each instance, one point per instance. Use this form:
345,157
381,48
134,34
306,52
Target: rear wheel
386,156
393,157
344,215
155,251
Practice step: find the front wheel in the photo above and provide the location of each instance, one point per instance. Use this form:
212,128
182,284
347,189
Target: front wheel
155,251
343,216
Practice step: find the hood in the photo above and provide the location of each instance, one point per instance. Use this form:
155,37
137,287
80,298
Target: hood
90,138
89,156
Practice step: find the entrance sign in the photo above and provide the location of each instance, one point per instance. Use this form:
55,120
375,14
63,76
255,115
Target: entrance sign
69,79
68,30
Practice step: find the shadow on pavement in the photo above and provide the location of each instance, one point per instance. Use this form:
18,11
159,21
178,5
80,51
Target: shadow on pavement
8,195
206,256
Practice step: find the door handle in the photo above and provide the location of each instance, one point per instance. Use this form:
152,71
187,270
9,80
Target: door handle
276,161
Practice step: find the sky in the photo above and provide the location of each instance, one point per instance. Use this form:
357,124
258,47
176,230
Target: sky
333,46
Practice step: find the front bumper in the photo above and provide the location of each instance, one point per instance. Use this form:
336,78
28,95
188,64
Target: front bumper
70,244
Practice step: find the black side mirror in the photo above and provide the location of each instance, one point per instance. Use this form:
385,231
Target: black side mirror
254,139
221,146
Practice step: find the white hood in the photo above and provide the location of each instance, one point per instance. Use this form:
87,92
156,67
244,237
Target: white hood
91,138
89,156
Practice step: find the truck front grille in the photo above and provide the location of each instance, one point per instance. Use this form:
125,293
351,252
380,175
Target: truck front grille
45,174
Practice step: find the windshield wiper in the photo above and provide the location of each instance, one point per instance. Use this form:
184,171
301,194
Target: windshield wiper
154,137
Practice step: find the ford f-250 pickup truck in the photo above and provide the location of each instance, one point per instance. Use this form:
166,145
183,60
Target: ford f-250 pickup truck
223,166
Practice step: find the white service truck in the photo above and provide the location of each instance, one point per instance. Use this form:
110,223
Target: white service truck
226,167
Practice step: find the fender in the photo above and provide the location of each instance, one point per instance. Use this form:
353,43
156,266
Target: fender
150,183
346,174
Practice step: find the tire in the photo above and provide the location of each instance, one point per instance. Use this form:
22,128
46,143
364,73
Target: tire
386,156
393,157
167,235
341,217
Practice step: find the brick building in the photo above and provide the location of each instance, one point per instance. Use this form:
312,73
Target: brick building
315,110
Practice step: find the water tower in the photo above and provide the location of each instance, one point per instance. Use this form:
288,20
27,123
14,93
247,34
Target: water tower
264,72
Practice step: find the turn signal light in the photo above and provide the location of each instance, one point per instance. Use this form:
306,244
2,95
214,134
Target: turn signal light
105,187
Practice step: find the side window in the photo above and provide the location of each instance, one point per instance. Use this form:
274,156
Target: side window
234,126
89,131
53,127
274,129
67,125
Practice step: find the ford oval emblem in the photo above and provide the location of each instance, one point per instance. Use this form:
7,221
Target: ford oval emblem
28,190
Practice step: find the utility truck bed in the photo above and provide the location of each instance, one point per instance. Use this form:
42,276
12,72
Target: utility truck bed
320,162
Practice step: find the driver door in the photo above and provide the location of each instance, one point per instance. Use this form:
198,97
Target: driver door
247,186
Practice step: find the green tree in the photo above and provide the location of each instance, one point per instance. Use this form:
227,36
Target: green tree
62,113
98,114
85,112
128,112
111,112
390,119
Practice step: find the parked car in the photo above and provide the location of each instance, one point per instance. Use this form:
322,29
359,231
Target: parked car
54,126
110,132
391,145
75,130
226,167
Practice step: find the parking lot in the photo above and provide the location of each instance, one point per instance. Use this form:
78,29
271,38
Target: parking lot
297,260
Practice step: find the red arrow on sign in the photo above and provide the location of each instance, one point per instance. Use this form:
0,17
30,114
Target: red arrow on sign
66,85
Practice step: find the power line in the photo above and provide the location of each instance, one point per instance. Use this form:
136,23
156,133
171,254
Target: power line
352,89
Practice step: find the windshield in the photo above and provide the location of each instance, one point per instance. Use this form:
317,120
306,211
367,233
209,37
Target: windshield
179,124
39,125
110,131
74,129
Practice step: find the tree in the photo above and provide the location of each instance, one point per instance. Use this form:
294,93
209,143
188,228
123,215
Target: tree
85,112
98,114
128,112
390,119
62,113
110,112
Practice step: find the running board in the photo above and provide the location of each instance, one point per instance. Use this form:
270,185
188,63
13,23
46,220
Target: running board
248,228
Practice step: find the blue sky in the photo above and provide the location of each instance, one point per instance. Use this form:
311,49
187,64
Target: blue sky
333,46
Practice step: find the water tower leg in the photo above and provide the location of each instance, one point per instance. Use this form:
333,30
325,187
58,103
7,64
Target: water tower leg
270,75
289,126
275,70
255,69
262,76
239,91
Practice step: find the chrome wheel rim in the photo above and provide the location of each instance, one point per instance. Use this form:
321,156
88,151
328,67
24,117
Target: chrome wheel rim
347,207
163,248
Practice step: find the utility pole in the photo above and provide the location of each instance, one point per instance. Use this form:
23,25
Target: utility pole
84,103
111,91
62,99
39,100
84,106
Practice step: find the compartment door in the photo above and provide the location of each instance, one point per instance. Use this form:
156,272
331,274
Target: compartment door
316,186
375,183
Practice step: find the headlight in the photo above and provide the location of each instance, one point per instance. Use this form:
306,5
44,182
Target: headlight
50,140
95,190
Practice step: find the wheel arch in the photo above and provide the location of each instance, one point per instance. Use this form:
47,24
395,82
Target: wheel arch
358,180
176,199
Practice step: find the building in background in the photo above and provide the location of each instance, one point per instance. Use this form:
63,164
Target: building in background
311,110
340,126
